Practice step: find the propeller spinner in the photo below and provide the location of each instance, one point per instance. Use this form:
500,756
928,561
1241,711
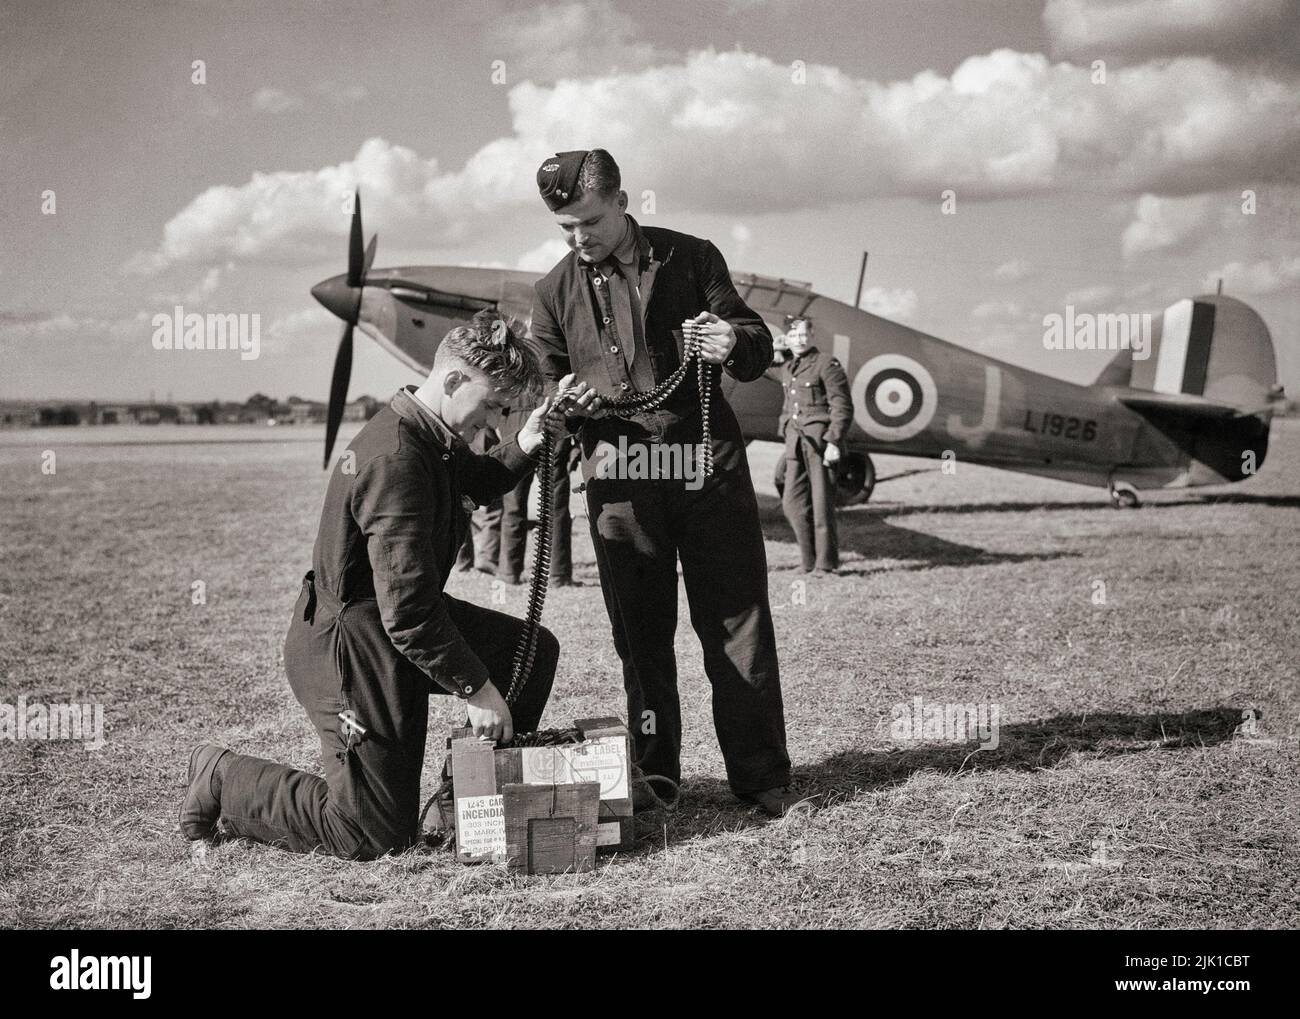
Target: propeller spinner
342,296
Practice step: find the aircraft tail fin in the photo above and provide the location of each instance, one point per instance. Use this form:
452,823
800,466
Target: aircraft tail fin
1213,347
1209,380
1118,372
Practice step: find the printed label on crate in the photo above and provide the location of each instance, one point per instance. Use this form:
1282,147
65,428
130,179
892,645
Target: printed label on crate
609,833
602,760
481,825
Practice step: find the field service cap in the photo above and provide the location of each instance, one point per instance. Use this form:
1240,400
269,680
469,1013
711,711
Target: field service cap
557,178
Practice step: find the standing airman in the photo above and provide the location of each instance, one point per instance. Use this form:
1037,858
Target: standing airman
817,413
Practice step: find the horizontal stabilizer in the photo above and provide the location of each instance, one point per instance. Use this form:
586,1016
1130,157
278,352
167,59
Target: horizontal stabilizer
1178,403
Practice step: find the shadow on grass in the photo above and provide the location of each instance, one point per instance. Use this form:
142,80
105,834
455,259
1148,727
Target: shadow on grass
709,806
873,537
901,510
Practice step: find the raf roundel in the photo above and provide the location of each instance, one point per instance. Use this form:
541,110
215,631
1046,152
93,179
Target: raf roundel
894,397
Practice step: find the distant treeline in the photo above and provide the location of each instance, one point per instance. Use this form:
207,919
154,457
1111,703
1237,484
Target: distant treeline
257,409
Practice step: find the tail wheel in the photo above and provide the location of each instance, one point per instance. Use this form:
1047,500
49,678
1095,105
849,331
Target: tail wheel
1123,495
855,479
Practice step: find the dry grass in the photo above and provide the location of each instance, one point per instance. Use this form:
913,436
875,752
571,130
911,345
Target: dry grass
1118,795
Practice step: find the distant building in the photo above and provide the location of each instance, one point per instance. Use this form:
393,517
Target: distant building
186,415
65,415
306,413
113,414
357,410
18,415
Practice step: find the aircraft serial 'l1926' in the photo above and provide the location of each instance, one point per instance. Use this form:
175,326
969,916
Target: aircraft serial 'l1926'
1194,410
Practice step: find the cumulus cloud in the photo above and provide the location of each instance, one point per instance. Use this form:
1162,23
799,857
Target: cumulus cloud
1003,329
1232,30
1266,276
1162,223
1004,124
896,303
273,100
1016,269
205,287
294,215
572,40
543,257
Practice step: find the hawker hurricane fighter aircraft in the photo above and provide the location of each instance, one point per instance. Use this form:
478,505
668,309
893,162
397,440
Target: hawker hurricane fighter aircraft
1187,401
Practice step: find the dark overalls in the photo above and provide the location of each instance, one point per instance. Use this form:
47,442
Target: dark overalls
817,412
373,634
642,527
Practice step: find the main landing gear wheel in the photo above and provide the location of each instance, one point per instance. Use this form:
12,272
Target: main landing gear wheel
1123,495
855,479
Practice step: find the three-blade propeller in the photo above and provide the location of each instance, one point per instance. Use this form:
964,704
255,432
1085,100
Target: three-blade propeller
346,303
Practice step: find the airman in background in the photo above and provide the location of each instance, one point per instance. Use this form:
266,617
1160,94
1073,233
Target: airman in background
814,419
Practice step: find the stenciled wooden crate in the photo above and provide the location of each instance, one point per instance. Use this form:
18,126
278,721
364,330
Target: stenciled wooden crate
615,830
481,774
551,829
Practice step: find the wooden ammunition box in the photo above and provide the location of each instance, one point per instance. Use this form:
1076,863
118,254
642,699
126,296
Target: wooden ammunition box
528,806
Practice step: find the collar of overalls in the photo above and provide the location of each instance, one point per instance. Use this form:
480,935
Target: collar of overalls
409,406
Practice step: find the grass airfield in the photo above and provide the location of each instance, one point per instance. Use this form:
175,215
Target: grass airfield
1124,790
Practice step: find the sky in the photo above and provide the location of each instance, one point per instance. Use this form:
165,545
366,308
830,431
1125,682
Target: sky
1113,155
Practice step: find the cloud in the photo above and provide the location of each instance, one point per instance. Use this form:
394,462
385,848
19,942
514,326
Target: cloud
741,238
1089,297
1003,328
572,40
997,310
1004,124
1016,269
273,100
310,332
543,257
731,132
39,325
205,287
290,216
1163,223
310,321
1231,30
897,304
1266,276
